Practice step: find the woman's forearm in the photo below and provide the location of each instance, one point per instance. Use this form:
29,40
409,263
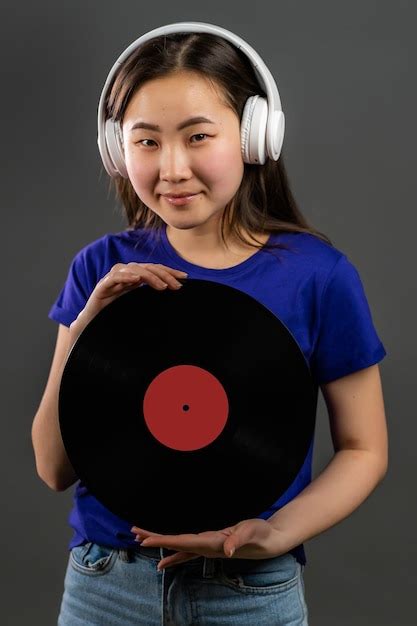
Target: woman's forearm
52,462
333,495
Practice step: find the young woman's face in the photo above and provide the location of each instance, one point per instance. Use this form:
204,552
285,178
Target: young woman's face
203,158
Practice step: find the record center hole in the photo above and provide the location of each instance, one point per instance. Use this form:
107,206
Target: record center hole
185,407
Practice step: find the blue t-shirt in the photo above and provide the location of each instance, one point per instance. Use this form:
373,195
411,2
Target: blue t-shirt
312,288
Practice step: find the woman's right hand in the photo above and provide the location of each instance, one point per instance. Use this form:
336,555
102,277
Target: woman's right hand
119,280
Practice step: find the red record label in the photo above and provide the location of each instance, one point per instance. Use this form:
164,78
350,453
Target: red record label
185,407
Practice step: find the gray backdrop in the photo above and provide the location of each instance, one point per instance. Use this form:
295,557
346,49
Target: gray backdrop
345,74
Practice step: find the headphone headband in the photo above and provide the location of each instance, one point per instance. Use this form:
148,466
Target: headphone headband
269,120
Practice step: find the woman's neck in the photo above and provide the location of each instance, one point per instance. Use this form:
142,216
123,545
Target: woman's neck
209,253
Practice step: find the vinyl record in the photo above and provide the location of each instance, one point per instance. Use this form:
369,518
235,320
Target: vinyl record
189,410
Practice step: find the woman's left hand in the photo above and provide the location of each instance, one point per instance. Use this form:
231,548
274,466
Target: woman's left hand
250,539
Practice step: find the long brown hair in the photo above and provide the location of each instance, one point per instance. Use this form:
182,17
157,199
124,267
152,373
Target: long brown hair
264,202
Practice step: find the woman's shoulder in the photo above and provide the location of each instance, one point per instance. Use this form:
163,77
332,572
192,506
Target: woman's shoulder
103,243
313,251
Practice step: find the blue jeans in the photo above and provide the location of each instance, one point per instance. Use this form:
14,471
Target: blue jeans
107,586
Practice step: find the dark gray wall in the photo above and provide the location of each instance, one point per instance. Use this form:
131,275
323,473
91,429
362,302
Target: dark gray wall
345,75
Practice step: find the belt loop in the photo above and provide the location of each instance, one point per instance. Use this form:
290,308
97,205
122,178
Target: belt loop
124,554
209,567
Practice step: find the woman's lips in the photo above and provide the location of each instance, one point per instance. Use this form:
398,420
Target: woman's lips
180,201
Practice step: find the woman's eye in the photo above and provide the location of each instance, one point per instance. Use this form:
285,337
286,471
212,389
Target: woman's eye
200,135
147,145
142,140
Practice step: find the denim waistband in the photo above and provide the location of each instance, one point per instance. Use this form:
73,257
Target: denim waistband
213,565
152,552
209,567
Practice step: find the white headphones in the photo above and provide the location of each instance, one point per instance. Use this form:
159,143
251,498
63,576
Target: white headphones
262,125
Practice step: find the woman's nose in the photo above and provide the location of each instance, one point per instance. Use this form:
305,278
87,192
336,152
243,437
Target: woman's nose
174,163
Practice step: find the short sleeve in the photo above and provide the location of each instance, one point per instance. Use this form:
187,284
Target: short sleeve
347,340
79,284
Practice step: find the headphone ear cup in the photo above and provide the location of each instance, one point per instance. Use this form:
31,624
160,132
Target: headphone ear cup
253,130
114,143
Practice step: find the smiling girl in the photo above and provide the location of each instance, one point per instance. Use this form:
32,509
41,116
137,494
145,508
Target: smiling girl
196,207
